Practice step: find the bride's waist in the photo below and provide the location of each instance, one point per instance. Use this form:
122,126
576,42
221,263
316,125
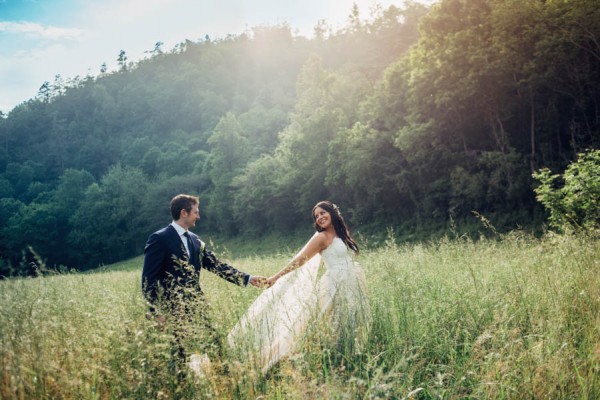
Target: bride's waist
344,265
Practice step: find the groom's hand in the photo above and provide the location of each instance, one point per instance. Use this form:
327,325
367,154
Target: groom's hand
259,282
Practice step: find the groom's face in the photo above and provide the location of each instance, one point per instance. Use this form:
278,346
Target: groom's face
189,219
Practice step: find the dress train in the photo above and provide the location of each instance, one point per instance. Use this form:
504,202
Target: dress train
278,319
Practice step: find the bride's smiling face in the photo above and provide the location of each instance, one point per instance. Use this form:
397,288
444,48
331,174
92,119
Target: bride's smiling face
322,218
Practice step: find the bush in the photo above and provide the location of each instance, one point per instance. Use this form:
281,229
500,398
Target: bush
572,199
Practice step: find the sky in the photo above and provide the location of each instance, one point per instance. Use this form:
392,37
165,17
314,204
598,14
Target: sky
40,39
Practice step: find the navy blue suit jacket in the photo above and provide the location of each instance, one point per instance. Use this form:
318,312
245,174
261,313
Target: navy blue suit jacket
168,269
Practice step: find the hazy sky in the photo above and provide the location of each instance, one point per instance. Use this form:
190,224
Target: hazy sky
42,38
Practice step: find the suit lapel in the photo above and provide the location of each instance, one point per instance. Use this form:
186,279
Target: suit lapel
175,241
180,253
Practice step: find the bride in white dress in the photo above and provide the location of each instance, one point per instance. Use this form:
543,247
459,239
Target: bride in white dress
278,319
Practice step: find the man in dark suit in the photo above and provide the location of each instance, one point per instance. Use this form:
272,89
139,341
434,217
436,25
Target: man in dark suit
173,258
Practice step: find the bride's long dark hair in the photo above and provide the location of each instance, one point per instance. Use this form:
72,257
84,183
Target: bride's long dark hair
341,230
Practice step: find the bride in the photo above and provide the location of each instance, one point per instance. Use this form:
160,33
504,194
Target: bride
278,319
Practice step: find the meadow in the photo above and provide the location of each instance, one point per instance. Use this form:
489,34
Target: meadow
513,317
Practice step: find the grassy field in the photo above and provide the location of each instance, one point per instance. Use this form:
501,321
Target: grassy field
512,318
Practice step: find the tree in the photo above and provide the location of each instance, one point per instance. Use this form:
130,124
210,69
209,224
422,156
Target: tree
122,60
230,151
106,225
256,199
44,91
305,143
157,49
261,126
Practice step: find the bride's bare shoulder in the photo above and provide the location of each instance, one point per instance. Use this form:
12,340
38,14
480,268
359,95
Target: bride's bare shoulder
321,240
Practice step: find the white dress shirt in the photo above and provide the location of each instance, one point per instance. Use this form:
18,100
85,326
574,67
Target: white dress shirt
181,231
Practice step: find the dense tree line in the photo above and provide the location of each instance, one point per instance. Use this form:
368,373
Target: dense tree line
409,117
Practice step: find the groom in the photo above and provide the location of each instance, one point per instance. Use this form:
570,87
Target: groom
173,257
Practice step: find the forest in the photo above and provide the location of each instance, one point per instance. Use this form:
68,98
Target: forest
413,117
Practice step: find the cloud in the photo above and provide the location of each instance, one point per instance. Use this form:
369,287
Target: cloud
35,30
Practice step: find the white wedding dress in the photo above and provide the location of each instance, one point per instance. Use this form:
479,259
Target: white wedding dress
278,319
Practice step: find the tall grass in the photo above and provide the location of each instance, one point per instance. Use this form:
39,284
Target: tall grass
500,319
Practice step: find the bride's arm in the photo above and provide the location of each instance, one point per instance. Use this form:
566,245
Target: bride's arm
312,247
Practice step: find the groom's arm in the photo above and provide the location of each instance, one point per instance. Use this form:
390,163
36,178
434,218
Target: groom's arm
211,263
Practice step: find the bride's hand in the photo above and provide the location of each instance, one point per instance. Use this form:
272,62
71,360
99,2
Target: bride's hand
271,281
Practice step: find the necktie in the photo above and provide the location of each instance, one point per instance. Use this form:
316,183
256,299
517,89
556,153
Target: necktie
189,243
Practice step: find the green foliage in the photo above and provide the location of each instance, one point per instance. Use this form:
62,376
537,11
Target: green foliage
573,199
230,153
107,218
262,126
6,189
306,142
256,198
409,117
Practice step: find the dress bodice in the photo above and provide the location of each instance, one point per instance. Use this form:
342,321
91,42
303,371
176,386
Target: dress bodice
337,256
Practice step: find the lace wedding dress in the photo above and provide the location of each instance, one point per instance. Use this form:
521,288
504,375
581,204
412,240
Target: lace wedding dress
278,319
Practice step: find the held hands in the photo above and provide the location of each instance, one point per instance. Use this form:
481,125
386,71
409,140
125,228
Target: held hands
259,282
263,283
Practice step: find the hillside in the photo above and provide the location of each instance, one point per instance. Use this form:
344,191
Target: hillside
412,118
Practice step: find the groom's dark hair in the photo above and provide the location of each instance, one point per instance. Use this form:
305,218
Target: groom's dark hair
182,202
